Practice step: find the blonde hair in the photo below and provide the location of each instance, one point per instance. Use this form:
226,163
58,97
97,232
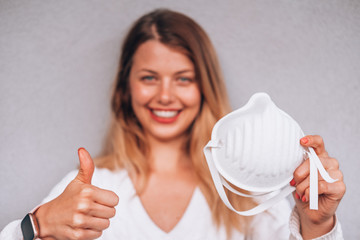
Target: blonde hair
126,147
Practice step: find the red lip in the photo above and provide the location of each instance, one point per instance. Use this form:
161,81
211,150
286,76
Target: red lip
164,120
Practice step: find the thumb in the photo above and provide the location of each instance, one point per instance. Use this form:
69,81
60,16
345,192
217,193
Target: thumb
86,168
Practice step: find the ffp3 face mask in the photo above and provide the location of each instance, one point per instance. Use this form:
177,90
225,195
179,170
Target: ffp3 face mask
256,148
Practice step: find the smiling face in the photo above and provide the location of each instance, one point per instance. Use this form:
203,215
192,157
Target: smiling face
165,96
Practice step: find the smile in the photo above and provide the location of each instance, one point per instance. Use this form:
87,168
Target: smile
164,116
165,113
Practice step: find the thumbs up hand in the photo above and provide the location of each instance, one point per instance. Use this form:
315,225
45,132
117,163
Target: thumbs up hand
87,167
82,211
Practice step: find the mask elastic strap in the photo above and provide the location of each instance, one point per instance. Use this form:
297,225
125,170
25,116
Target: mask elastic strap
220,189
229,187
315,164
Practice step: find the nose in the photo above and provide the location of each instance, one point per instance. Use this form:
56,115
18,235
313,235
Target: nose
166,92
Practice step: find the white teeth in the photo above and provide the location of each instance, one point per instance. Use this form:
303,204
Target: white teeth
165,114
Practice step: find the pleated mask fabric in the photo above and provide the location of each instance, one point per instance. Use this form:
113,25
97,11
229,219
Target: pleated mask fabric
257,148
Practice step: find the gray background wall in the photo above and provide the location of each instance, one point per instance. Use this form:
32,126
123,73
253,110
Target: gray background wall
58,60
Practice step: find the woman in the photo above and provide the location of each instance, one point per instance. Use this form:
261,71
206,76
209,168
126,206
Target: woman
153,181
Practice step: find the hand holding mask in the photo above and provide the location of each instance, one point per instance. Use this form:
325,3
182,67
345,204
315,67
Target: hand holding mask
257,148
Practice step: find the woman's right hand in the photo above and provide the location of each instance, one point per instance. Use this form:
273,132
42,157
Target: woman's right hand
82,211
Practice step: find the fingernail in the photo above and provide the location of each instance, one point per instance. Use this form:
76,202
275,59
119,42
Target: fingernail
303,199
304,140
80,149
292,182
297,196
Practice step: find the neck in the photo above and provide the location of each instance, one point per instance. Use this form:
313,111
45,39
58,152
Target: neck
168,156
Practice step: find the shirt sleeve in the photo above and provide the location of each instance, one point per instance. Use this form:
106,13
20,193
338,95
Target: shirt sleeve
12,231
294,226
279,222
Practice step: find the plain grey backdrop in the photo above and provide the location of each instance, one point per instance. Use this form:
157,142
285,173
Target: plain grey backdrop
58,60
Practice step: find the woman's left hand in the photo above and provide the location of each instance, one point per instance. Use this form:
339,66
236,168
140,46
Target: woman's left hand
315,223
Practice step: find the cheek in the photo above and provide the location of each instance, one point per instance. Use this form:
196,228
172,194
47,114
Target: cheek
191,97
141,95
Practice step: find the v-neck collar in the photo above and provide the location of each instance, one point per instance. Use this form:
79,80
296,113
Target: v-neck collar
147,224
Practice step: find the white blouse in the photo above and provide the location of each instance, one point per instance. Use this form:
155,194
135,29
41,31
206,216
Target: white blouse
132,221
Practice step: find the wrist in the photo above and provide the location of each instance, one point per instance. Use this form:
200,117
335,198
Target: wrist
40,215
311,229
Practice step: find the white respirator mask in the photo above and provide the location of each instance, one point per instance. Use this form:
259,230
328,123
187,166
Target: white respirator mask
257,149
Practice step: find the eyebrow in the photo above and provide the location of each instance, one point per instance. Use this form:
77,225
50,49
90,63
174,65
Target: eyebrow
147,70
154,72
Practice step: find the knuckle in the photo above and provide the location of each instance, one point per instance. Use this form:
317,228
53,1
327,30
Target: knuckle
340,175
83,206
334,163
307,193
298,174
78,220
78,234
86,192
301,174
319,139
300,190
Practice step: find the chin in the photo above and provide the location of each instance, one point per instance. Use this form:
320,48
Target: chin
168,135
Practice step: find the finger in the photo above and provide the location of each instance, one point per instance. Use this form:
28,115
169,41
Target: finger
302,179
296,196
102,211
105,197
306,196
316,142
302,186
330,163
336,189
301,172
89,222
96,210
332,188
86,169
303,198
90,194
82,234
